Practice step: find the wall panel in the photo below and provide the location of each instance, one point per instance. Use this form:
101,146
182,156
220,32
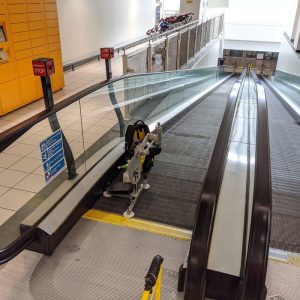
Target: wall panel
85,26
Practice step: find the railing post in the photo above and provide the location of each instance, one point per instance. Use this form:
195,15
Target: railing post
188,45
167,54
149,58
178,51
107,54
125,64
203,42
196,40
44,68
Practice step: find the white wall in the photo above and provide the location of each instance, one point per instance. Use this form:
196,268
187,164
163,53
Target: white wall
217,3
259,20
296,22
288,60
132,19
190,7
173,5
87,25
252,45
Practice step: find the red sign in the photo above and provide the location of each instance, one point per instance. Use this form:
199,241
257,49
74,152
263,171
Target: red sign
43,67
107,53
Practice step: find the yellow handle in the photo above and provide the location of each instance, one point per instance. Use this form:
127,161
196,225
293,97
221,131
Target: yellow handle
145,295
156,289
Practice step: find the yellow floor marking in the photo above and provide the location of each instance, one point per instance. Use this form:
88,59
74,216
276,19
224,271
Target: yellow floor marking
165,230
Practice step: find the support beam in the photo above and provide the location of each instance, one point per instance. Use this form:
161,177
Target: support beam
297,34
297,22
190,6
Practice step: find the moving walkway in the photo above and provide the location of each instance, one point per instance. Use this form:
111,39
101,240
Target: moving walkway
216,138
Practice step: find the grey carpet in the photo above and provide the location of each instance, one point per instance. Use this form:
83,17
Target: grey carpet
179,171
285,164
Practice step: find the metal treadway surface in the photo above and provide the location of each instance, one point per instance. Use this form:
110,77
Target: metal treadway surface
179,171
89,264
285,167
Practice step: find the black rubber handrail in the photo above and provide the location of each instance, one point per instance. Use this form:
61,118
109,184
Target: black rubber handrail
199,250
12,134
253,284
17,246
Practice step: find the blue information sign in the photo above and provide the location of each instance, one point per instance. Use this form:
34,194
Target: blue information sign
52,152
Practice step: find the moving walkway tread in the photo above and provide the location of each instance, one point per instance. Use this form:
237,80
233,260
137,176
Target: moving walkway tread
285,170
179,171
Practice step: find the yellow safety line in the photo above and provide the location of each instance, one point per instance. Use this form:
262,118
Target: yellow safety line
138,224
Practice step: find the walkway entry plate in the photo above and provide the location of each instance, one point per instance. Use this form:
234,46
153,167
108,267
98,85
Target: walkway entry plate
277,297
53,157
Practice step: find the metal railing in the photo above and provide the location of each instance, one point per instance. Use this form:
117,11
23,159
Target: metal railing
199,34
172,49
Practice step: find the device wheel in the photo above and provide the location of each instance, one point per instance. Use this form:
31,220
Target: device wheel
128,215
107,194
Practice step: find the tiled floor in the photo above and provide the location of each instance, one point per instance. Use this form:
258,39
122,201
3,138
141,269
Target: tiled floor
21,173
75,81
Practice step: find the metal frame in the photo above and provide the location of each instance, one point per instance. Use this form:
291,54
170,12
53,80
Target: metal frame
207,35
71,66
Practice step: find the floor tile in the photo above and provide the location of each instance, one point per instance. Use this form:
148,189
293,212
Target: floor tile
13,117
95,129
26,165
4,123
32,183
9,178
7,160
39,171
33,139
36,154
76,146
90,137
45,131
3,190
76,126
71,135
15,199
5,215
20,149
